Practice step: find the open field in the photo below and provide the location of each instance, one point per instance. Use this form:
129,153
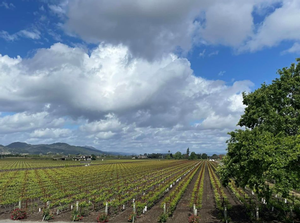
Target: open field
115,186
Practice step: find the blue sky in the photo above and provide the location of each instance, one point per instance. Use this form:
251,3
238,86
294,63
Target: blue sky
119,76
258,67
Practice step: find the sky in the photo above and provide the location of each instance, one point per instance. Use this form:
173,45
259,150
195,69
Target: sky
138,76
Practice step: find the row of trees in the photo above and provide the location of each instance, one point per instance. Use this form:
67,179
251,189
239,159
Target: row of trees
192,156
178,155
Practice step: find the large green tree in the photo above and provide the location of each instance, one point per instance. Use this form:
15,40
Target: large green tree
215,156
177,155
94,157
265,153
204,156
193,156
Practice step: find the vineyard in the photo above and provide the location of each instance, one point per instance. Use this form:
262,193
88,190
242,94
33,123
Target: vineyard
20,164
122,191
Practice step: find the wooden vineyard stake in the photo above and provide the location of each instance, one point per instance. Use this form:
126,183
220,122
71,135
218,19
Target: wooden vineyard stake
106,208
77,205
195,210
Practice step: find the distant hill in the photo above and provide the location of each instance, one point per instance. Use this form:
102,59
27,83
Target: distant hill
3,149
18,145
62,148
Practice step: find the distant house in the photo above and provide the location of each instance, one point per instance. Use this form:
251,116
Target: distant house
82,158
24,154
142,157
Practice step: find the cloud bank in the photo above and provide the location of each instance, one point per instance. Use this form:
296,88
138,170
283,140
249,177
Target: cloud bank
152,29
115,101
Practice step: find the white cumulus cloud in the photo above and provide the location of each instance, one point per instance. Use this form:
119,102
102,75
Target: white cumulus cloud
50,133
23,121
294,49
114,101
281,25
152,29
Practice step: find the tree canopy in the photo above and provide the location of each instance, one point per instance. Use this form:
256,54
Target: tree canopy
266,150
214,156
193,156
204,156
177,155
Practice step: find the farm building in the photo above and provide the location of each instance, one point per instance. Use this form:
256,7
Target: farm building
142,157
82,158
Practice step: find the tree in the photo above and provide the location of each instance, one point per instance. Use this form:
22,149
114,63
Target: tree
94,157
187,152
267,150
177,155
154,155
169,155
193,156
215,156
204,156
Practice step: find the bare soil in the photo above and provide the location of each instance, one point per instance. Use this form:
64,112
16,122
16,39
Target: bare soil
123,216
152,215
237,212
63,217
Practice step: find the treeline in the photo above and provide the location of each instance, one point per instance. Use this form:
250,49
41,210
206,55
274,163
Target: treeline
178,155
193,156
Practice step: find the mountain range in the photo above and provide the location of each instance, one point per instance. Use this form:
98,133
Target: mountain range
61,148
